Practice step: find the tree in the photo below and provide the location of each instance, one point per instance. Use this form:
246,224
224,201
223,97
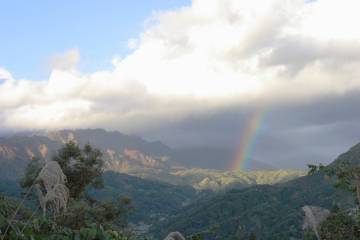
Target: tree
347,175
252,236
82,167
340,224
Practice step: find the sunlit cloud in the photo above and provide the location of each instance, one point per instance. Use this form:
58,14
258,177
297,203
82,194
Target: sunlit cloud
132,43
66,61
202,57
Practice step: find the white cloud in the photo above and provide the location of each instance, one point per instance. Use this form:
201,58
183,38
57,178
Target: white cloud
132,43
66,61
5,75
197,58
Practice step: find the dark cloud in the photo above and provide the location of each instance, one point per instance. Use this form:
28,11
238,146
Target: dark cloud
292,135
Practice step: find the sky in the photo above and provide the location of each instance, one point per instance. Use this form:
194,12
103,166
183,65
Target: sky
189,73
32,33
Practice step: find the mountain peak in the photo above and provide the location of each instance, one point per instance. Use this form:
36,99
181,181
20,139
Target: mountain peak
352,156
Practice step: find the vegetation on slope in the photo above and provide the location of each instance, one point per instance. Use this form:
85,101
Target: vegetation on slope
215,180
271,212
70,213
152,200
261,211
342,223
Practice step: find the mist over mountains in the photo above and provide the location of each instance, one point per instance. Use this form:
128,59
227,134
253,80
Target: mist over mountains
198,167
44,143
170,194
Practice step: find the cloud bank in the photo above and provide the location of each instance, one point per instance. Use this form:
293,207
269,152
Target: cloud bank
213,61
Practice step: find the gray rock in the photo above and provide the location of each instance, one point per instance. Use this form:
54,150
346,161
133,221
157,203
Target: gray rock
314,216
174,236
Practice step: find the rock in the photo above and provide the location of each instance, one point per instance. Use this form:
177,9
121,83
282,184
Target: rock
314,216
174,236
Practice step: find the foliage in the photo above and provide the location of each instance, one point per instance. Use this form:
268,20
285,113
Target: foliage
86,218
309,235
204,235
43,228
314,168
252,236
151,200
7,208
81,213
341,223
345,169
339,226
26,227
31,172
83,167
215,180
273,212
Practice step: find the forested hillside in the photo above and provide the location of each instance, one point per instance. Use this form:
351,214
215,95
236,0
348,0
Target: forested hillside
272,212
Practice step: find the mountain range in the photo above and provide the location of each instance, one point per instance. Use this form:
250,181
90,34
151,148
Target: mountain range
135,156
269,211
171,194
209,157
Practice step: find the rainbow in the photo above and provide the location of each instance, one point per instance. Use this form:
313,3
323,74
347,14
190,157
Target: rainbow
247,141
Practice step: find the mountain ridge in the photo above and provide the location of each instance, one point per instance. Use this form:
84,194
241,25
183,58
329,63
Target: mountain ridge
131,155
270,211
211,157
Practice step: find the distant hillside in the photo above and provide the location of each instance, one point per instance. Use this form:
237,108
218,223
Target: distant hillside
152,200
114,144
203,179
110,140
120,151
16,152
272,212
135,156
